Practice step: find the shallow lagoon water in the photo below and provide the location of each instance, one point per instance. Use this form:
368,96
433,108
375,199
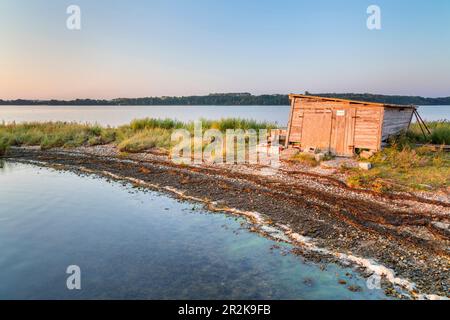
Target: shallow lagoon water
119,115
133,244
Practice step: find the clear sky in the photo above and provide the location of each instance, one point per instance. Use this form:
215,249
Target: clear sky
185,47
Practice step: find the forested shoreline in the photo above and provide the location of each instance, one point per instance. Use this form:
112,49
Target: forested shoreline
231,99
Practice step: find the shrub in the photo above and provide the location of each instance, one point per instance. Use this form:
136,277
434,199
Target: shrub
153,132
440,133
236,123
402,166
149,123
305,158
3,148
146,139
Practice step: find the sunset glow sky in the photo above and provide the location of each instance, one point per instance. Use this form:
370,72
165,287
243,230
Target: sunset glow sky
193,47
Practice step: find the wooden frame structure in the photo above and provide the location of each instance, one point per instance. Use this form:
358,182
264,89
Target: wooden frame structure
341,126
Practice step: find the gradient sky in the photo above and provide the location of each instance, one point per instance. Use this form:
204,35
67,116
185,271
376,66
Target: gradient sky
185,47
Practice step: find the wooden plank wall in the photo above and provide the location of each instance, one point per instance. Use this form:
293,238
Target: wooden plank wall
361,127
301,105
343,130
368,127
296,122
316,129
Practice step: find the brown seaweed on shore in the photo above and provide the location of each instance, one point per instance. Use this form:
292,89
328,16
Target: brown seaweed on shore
404,232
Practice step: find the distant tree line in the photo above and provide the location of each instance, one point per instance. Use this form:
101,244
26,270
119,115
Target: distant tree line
231,99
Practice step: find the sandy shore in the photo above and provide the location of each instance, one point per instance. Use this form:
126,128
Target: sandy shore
407,234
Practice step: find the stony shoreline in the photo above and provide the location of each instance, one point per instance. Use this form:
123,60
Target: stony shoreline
407,233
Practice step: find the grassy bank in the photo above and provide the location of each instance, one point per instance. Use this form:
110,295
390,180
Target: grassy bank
440,133
406,166
137,136
401,166
410,162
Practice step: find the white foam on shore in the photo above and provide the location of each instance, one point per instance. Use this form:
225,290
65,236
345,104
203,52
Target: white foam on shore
283,233
287,235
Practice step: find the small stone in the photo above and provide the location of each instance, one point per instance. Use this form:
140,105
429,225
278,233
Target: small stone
365,165
441,225
354,288
308,281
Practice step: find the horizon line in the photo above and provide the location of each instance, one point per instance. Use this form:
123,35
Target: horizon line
236,94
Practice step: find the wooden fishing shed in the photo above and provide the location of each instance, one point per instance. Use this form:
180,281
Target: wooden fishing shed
342,126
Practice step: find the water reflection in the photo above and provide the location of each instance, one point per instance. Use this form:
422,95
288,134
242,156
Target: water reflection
118,115
142,245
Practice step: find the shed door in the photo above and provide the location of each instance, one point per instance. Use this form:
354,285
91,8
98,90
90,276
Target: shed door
343,132
316,129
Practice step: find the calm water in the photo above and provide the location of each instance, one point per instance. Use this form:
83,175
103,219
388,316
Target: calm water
134,244
114,116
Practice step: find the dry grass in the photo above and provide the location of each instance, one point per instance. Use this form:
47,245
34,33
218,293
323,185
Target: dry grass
139,135
402,167
146,139
440,133
306,159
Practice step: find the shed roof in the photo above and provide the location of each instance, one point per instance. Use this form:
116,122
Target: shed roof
378,104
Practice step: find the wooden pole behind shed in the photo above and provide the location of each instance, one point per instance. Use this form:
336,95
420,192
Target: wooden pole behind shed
423,122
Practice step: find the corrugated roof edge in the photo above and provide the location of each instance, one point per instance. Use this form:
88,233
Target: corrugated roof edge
292,95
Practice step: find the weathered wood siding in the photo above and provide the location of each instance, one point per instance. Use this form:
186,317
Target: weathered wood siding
368,127
343,129
341,126
395,121
351,126
316,129
300,106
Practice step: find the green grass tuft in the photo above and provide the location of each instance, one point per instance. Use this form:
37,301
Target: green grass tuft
440,133
404,167
3,148
306,159
146,139
153,132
